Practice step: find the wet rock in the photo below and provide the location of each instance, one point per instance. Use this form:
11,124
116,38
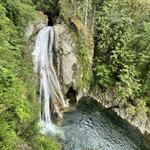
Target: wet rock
137,119
135,114
66,58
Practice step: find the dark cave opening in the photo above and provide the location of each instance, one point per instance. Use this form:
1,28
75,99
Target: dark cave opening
49,8
52,19
71,95
53,15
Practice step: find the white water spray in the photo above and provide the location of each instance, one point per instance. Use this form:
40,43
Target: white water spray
49,84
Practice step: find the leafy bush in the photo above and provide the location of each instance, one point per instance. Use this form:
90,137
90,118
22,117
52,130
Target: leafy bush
19,12
46,143
122,57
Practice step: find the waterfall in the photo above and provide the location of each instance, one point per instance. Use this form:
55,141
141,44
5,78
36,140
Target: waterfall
43,65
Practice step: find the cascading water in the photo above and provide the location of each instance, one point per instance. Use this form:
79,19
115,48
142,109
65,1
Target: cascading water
49,84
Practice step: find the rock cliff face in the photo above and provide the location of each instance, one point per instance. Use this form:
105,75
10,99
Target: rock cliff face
66,58
135,115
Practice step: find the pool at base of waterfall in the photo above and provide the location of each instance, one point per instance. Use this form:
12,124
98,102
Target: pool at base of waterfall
89,127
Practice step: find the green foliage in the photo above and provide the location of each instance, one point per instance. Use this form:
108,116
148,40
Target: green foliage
104,75
19,12
122,56
81,10
6,26
66,12
9,139
46,143
112,30
84,64
18,106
